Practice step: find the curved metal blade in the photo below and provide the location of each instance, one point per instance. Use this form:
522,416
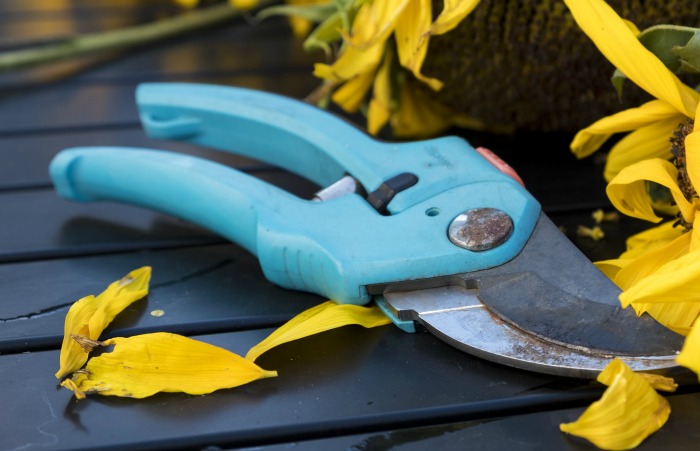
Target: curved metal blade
455,315
548,310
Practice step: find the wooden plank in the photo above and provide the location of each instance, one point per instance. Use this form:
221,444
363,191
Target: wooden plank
514,433
201,290
348,376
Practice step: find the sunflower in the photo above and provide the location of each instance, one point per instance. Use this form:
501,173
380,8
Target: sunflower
499,65
660,272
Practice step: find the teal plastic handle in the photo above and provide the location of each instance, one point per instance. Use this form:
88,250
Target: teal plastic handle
303,139
335,248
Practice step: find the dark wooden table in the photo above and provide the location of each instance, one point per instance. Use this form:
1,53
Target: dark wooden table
347,389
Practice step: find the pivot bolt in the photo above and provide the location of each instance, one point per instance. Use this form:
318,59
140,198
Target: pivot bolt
480,229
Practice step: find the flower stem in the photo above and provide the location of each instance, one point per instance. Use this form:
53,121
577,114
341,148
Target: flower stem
118,39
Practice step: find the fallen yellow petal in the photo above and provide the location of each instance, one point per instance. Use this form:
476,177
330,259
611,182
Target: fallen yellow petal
690,354
147,364
627,413
89,316
321,318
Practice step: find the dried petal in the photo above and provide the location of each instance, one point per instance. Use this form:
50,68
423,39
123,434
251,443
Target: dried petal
321,318
143,365
628,412
89,316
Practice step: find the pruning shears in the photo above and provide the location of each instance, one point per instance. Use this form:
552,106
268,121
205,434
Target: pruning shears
431,230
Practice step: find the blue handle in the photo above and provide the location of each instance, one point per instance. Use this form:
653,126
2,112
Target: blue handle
304,139
334,248
212,195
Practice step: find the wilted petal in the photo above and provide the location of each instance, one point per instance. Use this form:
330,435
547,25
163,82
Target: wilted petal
352,62
321,318
644,143
352,94
592,137
627,413
453,12
411,44
690,354
91,315
659,382
147,364
419,115
379,109
619,44
628,190
375,21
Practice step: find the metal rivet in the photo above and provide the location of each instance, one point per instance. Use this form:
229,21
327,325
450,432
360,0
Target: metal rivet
480,229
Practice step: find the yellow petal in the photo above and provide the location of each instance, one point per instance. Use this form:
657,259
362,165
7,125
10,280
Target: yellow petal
375,21
380,105
627,413
618,43
647,263
690,354
411,43
669,294
352,94
453,12
187,3
659,382
628,190
611,267
143,365
592,137
650,239
91,315
321,318
351,63
419,115
243,5
72,355
300,26
651,141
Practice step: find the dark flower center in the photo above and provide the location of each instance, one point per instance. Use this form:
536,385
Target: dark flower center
678,151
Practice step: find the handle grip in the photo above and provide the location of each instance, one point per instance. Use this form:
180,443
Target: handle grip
209,194
306,140
335,248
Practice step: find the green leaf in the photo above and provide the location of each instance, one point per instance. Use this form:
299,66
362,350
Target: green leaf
329,30
618,81
676,46
689,54
325,33
314,12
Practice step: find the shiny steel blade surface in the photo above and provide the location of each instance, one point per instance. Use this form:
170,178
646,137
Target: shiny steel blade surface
548,310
